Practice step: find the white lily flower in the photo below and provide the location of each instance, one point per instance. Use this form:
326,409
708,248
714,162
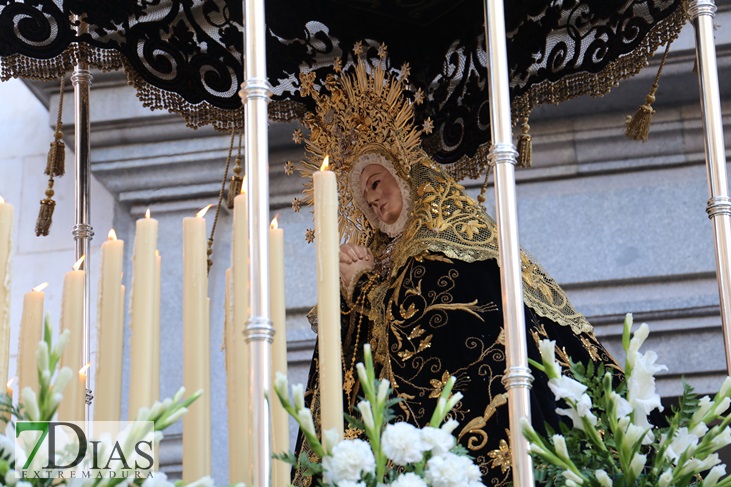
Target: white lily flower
559,442
456,397
42,356
682,441
331,438
723,406
638,338
722,439
572,477
304,418
637,464
281,385
383,390
624,408
548,354
716,473
725,387
179,395
632,435
665,479
603,478
298,396
31,403
366,414
62,379
567,388
450,425
360,368
704,406
63,340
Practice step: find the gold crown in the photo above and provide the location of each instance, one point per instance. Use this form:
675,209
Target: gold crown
363,111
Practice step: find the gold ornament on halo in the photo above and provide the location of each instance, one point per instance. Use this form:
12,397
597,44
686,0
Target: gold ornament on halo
357,112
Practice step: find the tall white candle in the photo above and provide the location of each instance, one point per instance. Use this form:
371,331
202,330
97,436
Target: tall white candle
196,349
156,330
280,418
6,247
110,332
142,310
31,332
72,319
327,239
240,450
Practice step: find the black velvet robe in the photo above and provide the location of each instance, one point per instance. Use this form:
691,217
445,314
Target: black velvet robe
436,317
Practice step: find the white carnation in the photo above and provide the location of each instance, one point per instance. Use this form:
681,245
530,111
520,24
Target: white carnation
439,441
349,459
402,443
206,481
409,480
157,479
451,470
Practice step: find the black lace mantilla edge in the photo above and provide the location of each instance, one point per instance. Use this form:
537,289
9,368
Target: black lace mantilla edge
204,113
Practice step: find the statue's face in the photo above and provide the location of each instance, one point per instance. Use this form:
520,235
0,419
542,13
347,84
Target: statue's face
381,192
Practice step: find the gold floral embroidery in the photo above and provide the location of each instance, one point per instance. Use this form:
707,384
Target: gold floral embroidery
438,385
501,457
476,426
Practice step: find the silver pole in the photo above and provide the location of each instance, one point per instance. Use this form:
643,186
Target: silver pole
259,330
702,12
503,155
82,231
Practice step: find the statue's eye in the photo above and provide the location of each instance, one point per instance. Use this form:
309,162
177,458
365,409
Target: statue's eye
375,184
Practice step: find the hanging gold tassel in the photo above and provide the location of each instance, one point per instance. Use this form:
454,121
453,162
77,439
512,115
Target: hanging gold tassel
45,214
235,184
525,145
637,126
56,163
236,181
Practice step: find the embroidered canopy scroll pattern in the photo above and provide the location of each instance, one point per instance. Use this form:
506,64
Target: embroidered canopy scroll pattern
186,55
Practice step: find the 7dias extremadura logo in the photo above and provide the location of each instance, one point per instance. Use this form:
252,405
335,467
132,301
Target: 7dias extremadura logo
93,450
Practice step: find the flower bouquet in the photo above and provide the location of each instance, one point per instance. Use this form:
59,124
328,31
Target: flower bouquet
618,439
41,406
396,454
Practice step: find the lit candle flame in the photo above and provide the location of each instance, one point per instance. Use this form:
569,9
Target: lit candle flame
243,186
275,222
2,200
325,164
10,383
40,287
147,213
82,370
77,266
203,211
112,235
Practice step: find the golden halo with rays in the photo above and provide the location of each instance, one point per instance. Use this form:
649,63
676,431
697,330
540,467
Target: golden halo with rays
357,112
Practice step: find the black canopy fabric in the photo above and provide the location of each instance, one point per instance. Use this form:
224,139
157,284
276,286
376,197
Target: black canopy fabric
186,55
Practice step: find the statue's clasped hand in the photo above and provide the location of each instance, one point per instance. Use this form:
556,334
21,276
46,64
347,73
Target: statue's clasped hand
354,259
